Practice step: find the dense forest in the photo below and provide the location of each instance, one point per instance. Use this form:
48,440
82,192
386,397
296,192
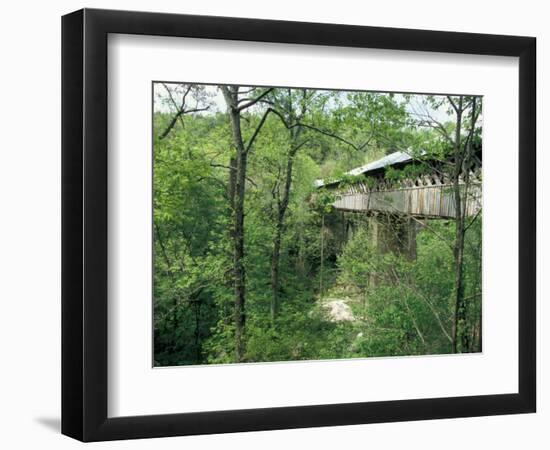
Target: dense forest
252,260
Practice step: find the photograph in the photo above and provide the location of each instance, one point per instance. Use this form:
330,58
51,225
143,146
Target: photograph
303,224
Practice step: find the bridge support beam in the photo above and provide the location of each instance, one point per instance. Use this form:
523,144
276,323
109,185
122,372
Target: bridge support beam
394,233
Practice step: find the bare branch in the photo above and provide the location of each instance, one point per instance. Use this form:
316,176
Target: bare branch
180,110
254,100
258,128
173,100
303,125
330,134
472,221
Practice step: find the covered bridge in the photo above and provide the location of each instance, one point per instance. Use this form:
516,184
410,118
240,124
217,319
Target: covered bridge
429,195
395,209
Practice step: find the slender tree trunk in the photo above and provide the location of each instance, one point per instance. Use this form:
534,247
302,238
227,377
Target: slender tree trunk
238,257
282,203
282,207
463,163
458,250
458,289
232,182
238,223
464,337
237,197
479,331
322,256
275,259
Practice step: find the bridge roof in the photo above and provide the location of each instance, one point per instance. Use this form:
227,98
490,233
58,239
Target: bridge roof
388,160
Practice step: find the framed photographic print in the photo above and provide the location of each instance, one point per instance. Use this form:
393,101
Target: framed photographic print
267,224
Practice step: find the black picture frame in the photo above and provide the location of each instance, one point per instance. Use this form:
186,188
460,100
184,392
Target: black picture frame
84,224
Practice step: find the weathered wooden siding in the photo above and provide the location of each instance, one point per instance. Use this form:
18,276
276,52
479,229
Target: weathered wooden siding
423,201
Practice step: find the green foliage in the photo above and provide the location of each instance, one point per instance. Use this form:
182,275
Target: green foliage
409,172
400,306
406,308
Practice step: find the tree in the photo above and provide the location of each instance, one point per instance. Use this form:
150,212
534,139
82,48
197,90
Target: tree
302,113
185,197
235,106
463,162
457,156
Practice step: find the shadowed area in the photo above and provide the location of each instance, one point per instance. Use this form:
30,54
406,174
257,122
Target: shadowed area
52,423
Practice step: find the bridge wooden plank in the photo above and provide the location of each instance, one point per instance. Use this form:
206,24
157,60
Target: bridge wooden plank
421,201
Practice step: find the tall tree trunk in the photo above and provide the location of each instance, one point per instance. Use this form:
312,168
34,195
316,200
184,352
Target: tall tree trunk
458,288
463,164
458,250
237,199
238,260
282,206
